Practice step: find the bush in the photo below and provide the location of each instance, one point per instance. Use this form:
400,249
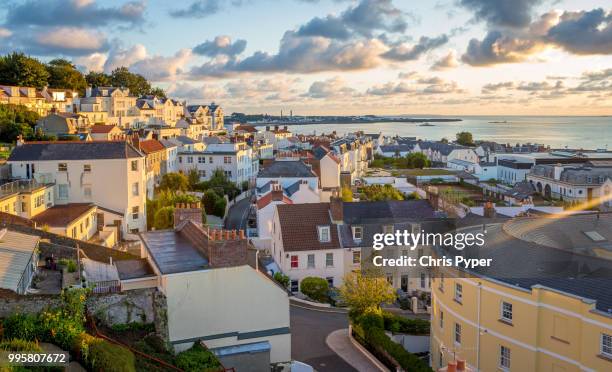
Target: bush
399,324
20,345
315,288
133,326
164,218
60,329
70,265
377,340
372,319
20,326
282,279
197,359
108,357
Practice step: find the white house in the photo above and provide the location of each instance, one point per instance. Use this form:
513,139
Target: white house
286,173
327,166
236,159
277,137
442,153
111,175
171,156
578,183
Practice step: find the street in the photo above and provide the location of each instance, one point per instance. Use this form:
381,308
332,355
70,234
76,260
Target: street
309,330
237,215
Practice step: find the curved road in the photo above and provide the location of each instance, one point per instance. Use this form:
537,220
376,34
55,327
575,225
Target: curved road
237,215
309,330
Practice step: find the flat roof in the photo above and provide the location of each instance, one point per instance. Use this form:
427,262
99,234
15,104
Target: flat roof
173,253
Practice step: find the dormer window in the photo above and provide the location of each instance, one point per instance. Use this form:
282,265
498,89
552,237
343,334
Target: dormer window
324,234
357,232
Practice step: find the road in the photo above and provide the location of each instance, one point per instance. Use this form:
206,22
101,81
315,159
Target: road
309,329
237,215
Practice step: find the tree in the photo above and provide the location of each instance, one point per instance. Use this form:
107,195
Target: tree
174,182
19,69
137,84
444,140
366,292
282,279
63,74
347,194
97,79
209,199
465,139
194,178
380,193
158,92
219,209
417,160
164,218
315,288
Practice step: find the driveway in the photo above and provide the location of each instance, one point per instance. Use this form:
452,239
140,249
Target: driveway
309,331
237,215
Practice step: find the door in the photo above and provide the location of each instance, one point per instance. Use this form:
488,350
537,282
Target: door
404,283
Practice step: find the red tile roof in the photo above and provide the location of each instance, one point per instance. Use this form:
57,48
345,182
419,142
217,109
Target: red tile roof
62,215
151,146
299,226
99,128
267,199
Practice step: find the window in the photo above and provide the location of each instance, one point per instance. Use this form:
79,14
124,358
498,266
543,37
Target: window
423,280
441,286
458,333
202,173
294,286
87,222
190,159
201,159
74,232
135,212
180,159
329,260
87,168
506,311
324,234
356,257
330,281
458,293
227,160
388,229
62,167
311,261
210,159
134,165
62,191
294,262
135,189
504,357
357,232
441,319
606,345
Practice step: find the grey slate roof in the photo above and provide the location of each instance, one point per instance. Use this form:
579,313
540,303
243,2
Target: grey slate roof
397,148
442,148
172,252
74,151
575,174
319,152
286,169
385,211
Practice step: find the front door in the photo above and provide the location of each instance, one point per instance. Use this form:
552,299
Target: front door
404,283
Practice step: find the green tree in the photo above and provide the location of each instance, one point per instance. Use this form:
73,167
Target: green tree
347,194
158,92
417,160
380,193
219,209
164,218
63,74
465,139
174,182
366,292
222,184
194,178
209,199
444,140
282,279
137,84
97,79
315,288
19,69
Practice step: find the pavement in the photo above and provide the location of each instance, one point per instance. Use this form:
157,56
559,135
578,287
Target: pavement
340,342
237,215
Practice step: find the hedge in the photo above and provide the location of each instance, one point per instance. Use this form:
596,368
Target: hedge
100,355
315,288
197,359
399,324
369,331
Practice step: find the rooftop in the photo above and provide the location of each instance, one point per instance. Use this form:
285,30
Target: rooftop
299,226
286,169
172,252
62,215
73,150
16,250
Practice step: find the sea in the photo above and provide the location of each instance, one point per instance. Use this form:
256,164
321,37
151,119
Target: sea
576,132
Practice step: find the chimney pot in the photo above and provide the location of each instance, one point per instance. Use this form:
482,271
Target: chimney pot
242,234
460,364
451,367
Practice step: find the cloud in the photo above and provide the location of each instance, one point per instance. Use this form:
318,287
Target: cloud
201,93
505,13
497,48
390,88
421,86
330,27
73,13
446,62
583,32
494,87
92,62
407,75
160,68
333,87
371,15
5,32
300,54
120,57
537,86
403,52
221,45
69,41
204,8
595,81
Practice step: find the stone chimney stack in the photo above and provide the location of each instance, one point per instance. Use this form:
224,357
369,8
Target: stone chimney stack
187,211
336,208
277,192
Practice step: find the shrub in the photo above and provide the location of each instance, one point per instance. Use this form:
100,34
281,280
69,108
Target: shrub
315,288
20,326
108,357
58,328
371,319
282,279
70,265
197,359
134,326
380,342
20,345
164,218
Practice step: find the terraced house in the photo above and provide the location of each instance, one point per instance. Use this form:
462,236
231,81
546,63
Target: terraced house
543,305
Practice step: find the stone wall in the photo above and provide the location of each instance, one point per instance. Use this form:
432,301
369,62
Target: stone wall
139,305
11,303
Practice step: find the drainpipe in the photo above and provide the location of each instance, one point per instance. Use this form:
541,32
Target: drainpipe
478,330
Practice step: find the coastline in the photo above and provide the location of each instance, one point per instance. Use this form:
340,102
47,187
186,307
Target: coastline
363,121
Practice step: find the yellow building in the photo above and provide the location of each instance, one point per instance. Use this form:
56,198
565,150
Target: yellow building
25,198
540,306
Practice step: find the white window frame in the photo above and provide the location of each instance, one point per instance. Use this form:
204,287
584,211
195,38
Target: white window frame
135,213
504,312
504,358
135,189
356,254
357,233
327,256
309,264
606,345
320,230
459,293
457,335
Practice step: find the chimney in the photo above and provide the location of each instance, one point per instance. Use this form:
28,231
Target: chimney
276,127
277,192
451,366
88,91
460,365
336,208
20,140
187,211
489,210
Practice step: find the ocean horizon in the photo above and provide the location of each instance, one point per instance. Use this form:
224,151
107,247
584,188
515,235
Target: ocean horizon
586,132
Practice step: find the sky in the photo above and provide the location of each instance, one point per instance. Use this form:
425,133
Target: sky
334,57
